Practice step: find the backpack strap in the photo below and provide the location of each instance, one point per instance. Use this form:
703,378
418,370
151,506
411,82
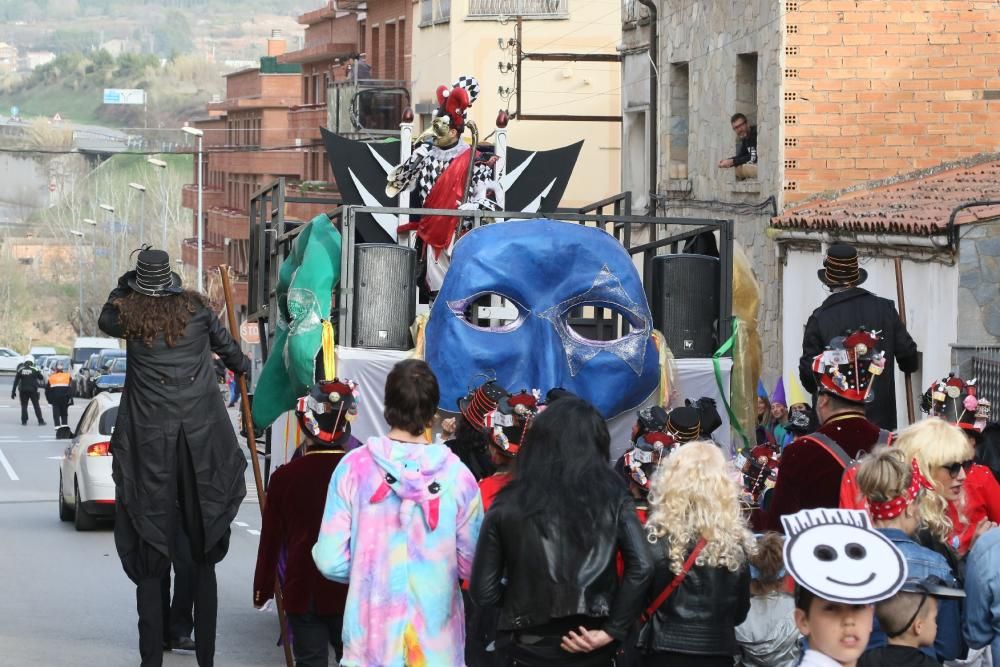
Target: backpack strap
831,447
885,437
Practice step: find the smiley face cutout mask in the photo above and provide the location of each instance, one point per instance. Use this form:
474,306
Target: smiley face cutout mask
838,556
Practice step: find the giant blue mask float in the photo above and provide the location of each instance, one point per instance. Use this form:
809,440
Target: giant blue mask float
545,268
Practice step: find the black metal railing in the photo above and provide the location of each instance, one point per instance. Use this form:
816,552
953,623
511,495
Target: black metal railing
986,370
525,8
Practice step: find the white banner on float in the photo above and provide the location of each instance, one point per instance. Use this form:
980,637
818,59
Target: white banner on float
369,368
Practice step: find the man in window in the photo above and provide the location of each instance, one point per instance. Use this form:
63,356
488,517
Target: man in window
745,161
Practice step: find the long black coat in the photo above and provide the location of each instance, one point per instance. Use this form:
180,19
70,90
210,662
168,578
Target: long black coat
171,397
851,309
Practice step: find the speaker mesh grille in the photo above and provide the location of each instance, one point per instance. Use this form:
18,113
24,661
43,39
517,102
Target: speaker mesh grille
685,302
384,296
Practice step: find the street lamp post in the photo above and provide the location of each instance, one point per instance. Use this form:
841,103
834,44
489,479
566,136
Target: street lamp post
79,248
141,189
195,132
110,210
161,167
93,248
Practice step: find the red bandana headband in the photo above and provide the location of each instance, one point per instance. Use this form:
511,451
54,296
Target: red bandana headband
893,507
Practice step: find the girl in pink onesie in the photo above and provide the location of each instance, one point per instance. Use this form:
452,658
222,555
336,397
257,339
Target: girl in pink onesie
400,528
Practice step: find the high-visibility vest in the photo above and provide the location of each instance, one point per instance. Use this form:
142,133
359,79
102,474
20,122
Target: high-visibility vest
59,380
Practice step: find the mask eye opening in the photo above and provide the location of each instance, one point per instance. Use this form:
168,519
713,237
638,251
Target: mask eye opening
489,311
600,322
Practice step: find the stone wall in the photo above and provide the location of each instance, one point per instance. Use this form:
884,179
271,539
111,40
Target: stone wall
729,56
978,291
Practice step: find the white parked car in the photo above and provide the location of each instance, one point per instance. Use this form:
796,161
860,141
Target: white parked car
86,490
10,360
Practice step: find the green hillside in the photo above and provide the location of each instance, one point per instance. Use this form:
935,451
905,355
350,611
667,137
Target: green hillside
73,85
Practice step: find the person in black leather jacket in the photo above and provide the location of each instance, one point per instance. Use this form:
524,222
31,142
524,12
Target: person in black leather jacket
694,495
548,545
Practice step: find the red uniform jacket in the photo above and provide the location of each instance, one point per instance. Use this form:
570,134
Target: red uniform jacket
296,498
809,476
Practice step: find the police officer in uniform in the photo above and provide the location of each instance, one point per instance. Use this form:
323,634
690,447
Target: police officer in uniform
59,395
29,380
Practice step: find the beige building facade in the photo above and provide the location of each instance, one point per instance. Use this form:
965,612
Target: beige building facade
474,37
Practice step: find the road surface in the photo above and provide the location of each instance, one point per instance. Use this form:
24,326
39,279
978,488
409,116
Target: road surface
64,599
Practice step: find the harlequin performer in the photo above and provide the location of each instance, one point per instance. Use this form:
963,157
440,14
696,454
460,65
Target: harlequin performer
296,497
851,307
812,466
176,460
955,400
438,170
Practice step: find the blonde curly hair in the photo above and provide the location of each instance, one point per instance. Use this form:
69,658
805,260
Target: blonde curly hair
694,494
933,442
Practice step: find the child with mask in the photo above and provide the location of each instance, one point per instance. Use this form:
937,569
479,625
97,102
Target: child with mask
827,553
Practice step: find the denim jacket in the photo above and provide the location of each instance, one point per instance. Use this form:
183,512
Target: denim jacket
982,586
921,562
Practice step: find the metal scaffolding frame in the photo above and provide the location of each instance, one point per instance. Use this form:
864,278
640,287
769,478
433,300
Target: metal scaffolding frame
271,237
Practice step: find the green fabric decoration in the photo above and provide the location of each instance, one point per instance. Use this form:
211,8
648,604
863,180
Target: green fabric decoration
304,292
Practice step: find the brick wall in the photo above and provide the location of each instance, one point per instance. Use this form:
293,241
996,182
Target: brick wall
243,84
873,88
381,13
287,87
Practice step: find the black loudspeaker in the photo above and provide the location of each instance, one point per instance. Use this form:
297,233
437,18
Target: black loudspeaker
385,302
685,302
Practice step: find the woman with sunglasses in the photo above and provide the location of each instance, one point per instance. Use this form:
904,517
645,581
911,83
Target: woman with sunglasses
945,457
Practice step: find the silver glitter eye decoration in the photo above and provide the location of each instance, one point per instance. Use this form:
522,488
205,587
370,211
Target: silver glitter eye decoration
489,311
605,292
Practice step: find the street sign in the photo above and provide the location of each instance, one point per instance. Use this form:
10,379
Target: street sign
249,333
57,118
124,96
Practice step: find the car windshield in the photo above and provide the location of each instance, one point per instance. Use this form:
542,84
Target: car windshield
81,354
107,423
118,365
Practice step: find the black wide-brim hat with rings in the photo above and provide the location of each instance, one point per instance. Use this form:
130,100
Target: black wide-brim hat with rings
840,267
684,424
152,275
480,402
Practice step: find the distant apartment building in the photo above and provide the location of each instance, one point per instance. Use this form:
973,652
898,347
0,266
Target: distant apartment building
268,125
33,59
46,258
8,58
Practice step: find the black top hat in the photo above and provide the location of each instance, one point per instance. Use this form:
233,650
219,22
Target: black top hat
684,424
152,275
840,267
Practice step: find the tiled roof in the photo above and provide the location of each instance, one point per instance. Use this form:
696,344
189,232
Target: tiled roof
919,206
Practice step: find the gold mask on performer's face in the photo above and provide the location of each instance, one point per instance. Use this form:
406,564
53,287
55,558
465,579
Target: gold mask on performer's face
444,134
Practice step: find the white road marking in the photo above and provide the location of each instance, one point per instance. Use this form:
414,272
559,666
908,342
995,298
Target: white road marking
6,466
253,532
241,524
54,458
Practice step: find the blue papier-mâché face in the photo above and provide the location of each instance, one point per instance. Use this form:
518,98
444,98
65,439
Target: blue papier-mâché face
544,269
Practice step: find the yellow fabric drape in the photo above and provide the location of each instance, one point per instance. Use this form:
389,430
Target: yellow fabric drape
329,352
